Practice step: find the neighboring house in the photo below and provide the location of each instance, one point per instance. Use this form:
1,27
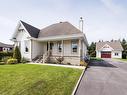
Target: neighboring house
5,47
108,49
48,44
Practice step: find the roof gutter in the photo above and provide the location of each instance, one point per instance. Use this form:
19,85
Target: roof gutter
62,37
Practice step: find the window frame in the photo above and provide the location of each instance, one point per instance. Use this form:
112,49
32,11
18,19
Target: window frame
116,54
72,43
59,46
26,46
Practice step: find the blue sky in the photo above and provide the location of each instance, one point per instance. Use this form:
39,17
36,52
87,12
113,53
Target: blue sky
103,19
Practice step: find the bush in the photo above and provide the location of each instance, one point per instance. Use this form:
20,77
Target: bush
83,63
60,60
2,63
12,61
5,54
5,59
124,55
17,54
68,63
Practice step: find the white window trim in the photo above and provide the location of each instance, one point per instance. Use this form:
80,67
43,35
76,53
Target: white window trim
72,48
25,47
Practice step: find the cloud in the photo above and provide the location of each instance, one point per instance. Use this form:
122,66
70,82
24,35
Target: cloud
112,6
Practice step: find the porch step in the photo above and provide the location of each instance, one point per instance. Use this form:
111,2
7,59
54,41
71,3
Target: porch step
40,59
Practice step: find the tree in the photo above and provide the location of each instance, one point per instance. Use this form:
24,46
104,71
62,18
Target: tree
124,45
91,49
17,54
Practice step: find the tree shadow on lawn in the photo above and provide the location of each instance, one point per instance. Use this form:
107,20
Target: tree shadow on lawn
101,63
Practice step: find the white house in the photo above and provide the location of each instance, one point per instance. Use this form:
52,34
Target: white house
47,44
5,47
108,49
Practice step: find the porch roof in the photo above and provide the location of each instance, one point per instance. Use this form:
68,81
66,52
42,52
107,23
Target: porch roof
61,37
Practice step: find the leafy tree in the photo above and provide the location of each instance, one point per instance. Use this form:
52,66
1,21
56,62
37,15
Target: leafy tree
17,54
91,49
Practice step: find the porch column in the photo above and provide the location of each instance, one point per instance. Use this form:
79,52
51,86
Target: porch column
79,47
31,49
48,47
62,48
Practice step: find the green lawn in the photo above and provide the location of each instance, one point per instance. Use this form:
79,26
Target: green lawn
120,59
28,79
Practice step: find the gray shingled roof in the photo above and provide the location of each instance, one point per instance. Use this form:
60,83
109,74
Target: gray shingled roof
116,45
62,28
33,31
5,45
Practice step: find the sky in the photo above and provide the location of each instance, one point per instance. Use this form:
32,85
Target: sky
103,19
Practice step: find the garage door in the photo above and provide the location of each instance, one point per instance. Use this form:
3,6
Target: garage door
105,54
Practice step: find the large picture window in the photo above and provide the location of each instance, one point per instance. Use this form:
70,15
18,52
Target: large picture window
26,43
74,45
59,46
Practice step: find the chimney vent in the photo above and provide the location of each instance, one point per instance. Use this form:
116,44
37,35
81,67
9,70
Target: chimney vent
81,24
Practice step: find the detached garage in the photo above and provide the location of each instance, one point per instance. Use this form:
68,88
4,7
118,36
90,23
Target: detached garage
108,49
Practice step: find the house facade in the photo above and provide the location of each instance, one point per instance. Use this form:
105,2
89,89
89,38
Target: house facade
48,44
108,49
5,47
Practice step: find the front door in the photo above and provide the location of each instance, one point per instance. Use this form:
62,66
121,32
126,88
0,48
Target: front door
49,47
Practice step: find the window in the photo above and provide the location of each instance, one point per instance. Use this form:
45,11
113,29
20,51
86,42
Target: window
26,46
116,54
74,45
10,48
59,46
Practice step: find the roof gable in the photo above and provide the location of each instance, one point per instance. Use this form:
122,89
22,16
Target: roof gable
33,31
106,47
116,45
62,28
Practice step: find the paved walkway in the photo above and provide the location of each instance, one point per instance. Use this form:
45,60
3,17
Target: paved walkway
104,78
68,66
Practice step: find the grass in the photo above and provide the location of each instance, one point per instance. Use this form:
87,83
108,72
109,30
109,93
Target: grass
95,59
30,79
120,59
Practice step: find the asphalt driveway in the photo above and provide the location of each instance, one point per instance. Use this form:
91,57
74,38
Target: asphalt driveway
104,78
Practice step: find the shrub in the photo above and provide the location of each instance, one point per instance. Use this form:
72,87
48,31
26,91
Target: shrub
83,63
2,63
17,54
5,54
124,55
68,63
12,61
4,59
60,60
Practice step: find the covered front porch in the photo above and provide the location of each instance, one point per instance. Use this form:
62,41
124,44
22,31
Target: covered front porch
69,49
